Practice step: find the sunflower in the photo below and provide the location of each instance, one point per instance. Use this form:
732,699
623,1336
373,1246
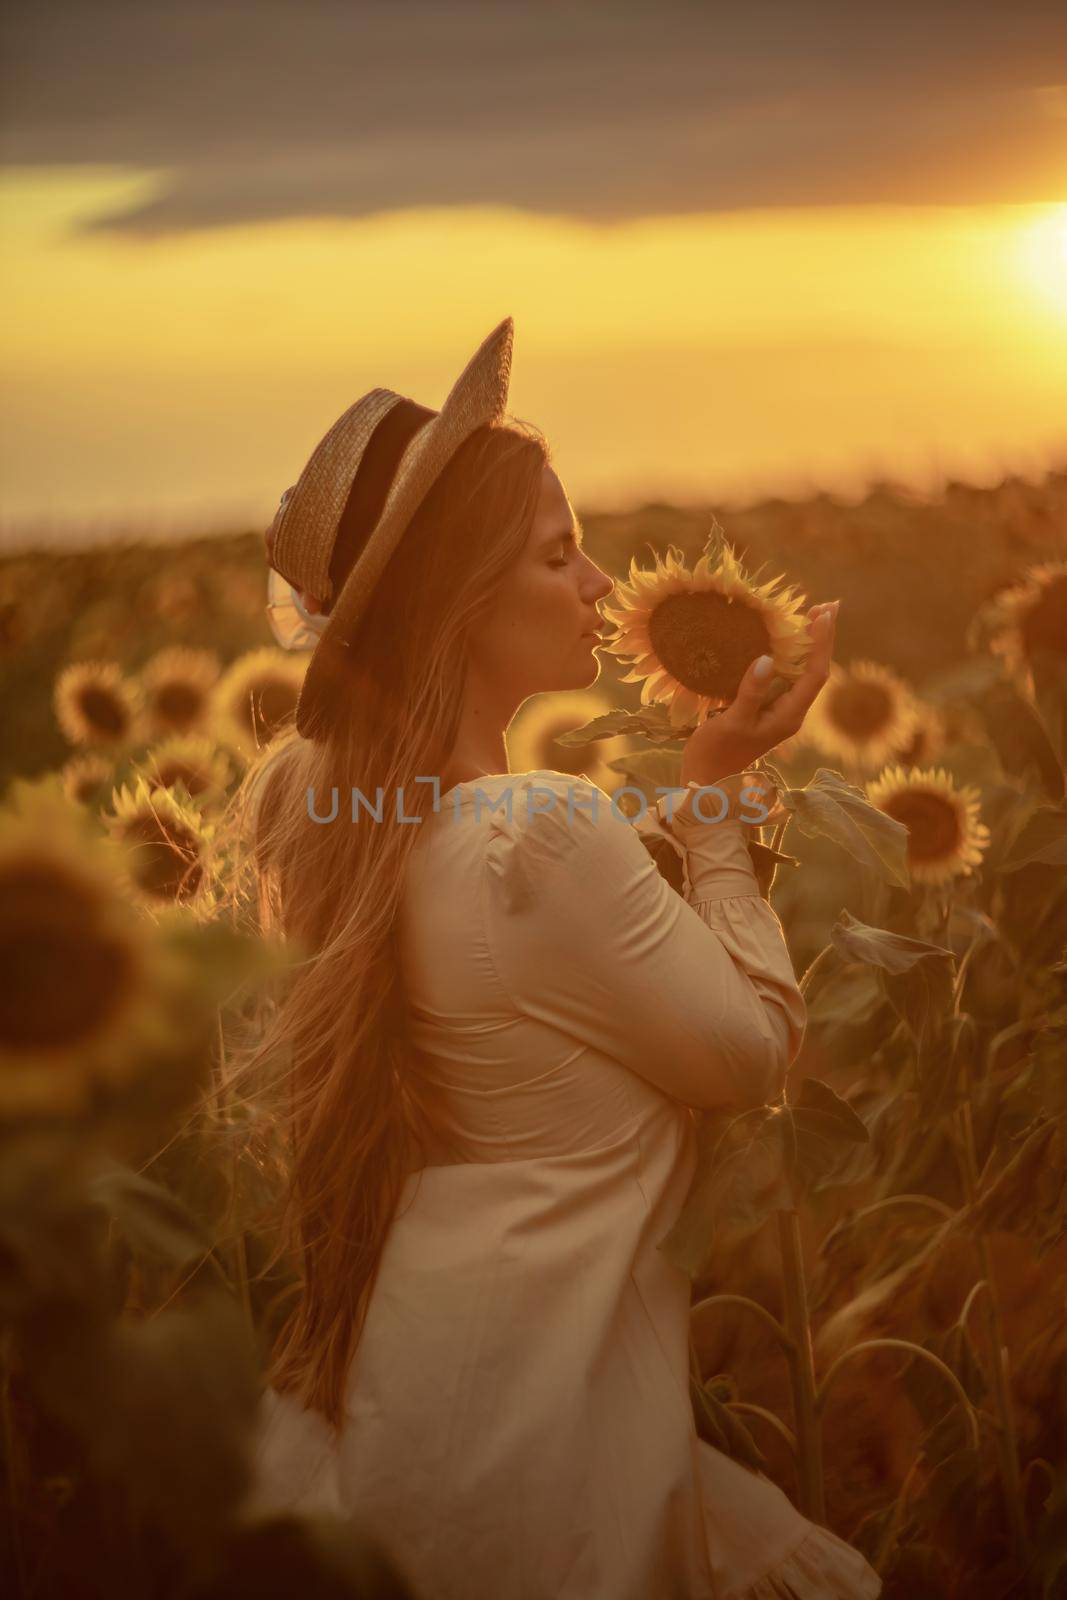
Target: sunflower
177,684
1030,617
255,695
690,636
533,738
165,839
945,837
84,778
863,713
95,705
927,738
77,965
192,760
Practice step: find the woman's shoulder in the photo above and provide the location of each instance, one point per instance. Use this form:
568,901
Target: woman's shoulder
538,800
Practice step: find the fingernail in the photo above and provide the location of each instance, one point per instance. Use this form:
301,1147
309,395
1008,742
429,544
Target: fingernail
763,668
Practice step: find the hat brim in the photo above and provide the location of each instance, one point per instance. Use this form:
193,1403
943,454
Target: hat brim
478,397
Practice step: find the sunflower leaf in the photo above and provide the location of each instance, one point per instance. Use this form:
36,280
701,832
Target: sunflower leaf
819,1133
1021,739
917,978
837,810
647,768
151,1218
651,721
1043,837
721,1427
816,1095
894,952
765,863
739,1179
714,543
1049,672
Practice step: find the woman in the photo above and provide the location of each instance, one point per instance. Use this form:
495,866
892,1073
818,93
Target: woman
504,1021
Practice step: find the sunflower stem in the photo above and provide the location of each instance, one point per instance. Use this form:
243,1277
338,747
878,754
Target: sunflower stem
1006,1437
821,960
240,1254
13,1484
800,1355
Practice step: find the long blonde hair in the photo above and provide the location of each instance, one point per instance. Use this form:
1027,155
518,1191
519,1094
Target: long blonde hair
348,1113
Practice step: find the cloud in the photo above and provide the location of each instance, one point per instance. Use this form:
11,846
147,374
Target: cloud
255,110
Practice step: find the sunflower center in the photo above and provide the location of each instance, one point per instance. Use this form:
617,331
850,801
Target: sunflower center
707,641
65,977
860,709
1044,626
178,703
266,705
103,710
171,772
933,824
165,858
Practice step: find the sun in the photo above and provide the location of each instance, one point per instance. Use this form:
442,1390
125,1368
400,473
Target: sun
1041,257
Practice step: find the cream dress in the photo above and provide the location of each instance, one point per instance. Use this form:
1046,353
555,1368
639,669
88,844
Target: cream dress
519,1424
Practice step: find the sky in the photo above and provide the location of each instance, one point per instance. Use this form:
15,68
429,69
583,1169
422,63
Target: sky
765,249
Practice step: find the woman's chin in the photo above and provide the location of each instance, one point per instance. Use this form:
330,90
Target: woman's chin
578,672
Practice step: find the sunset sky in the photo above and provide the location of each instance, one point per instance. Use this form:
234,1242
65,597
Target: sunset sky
760,249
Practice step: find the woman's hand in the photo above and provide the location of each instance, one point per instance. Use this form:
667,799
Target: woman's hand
747,729
307,599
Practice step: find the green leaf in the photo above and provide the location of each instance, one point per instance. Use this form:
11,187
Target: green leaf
917,980
652,721
150,1218
1021,740
666,858
848,998
878,947
714,542
166,1407
721,1427
765,862
1049,673
738,1180
819,1133
1014,1200
647,768
831,808
1042,838
818,1096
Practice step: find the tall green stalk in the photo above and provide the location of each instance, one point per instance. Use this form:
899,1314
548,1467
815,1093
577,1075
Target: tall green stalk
801,1358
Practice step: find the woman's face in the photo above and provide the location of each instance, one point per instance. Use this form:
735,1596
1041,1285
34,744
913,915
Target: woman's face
538,634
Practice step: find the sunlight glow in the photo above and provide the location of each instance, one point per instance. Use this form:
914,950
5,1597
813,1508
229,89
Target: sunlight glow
677,357
1042,258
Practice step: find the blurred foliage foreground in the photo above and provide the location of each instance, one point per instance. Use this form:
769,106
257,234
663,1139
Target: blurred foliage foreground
879,1262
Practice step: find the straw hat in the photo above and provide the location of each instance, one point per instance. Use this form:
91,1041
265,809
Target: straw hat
362,485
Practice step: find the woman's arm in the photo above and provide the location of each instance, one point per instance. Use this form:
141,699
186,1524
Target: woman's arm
698,996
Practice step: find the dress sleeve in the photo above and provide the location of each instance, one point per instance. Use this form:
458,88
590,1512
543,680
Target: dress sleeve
694,991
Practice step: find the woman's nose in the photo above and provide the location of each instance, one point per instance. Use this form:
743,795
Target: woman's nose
602,584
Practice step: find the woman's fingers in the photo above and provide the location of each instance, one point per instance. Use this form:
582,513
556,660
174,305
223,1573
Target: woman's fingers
791,707
752,689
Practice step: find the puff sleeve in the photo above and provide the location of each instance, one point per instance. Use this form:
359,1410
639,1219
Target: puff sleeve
694,992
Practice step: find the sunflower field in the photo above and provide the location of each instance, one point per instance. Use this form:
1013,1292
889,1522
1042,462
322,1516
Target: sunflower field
879,1263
